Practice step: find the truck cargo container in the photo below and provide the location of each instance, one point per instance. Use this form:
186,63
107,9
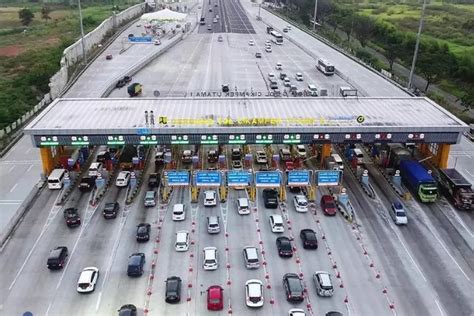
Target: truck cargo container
457,188
417,179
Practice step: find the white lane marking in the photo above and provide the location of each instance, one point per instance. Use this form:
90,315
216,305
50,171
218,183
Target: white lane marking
34,245
47,310
98,301
19,162
13,188
439,307
461,222
11,201
29,168
11,168
28,151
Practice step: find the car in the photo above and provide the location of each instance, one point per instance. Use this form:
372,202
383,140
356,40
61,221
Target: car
285,30
143,232
71,215
301,151
261,157
299,76
215,5
128,310
293,288
397,212
220,38
251,43
210,9
209,27
251,257
278,66
157,42
258,55
333,313
173,289
270,198
182,240
210,258
210,198
225,88
288,27
271,76
323,283
57,258
283,76
328,205
237,164
215,298
236,154
285,154
301,203
284,247
136,261
276,223
286,82
268,42
309,239
108,56
296,312
121,83
254,293
154,180
122,179
268,49
295,189
213,224
214,20
243,206
179,212
110,210
150,199
87,280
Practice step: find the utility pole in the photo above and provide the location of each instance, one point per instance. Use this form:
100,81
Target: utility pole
315,11
82,33
417,45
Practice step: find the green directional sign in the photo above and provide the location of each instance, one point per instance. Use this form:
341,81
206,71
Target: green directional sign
148,140
49,141
115,140
291,139
264,139
237,139
179,139
209,139
80,140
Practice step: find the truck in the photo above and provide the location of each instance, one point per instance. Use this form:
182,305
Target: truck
457,188
202,21
126,157
418,180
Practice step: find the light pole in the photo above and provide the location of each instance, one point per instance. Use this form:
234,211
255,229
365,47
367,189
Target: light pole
315,11
417,45
82,33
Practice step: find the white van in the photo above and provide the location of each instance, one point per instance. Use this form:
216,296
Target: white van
360,156
313,91
56,179
182,240
276,223
95,169
243,207
338,161
179,214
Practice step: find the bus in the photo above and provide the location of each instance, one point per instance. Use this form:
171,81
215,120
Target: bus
56,179
325,67
277,38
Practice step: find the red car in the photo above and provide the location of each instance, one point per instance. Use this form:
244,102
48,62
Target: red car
215,298
328,205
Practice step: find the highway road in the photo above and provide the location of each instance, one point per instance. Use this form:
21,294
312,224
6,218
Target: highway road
425,268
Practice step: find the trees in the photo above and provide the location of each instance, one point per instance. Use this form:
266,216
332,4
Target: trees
467,100
45,11
364,28
26,16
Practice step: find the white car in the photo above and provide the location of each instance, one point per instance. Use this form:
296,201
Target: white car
268,49
122,179
397,212
251,43
87,280
301,203
296,312
179,213
254,293
288,27
271,76
299,76
261,157
210,198
157,42
301,151
210,258
276,223
214,21
286,82
278,66
267,42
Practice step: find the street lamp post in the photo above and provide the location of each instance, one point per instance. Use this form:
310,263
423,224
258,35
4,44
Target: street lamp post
82,33
315,11
417,45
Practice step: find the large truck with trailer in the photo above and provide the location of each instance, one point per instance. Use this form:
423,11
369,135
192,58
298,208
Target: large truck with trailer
126,157
457,188
418,180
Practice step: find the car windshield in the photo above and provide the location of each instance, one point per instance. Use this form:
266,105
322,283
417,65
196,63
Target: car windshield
83,285
330,205
302,203
142,229
310,236
214,301
109,206
210,261
400,214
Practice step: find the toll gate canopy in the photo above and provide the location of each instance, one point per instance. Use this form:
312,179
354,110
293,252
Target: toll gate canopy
241,120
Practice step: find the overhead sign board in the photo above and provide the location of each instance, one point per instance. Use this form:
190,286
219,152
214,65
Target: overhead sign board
176,178
208,178
267,178
298,178
328,177
238,178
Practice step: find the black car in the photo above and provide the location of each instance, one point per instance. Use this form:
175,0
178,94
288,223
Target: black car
128,310
136,262
71,215
258,55
293,288
282,75
111,209
270,198
57,258
87,184
154,180
143,232
284,247
123,82
173,289
225,88
308,237
295,189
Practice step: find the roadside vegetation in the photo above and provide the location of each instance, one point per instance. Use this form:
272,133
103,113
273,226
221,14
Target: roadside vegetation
370,29
32,39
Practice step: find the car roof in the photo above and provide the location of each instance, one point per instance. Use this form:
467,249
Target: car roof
178,207
301,197
215,291
398,206
324,277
